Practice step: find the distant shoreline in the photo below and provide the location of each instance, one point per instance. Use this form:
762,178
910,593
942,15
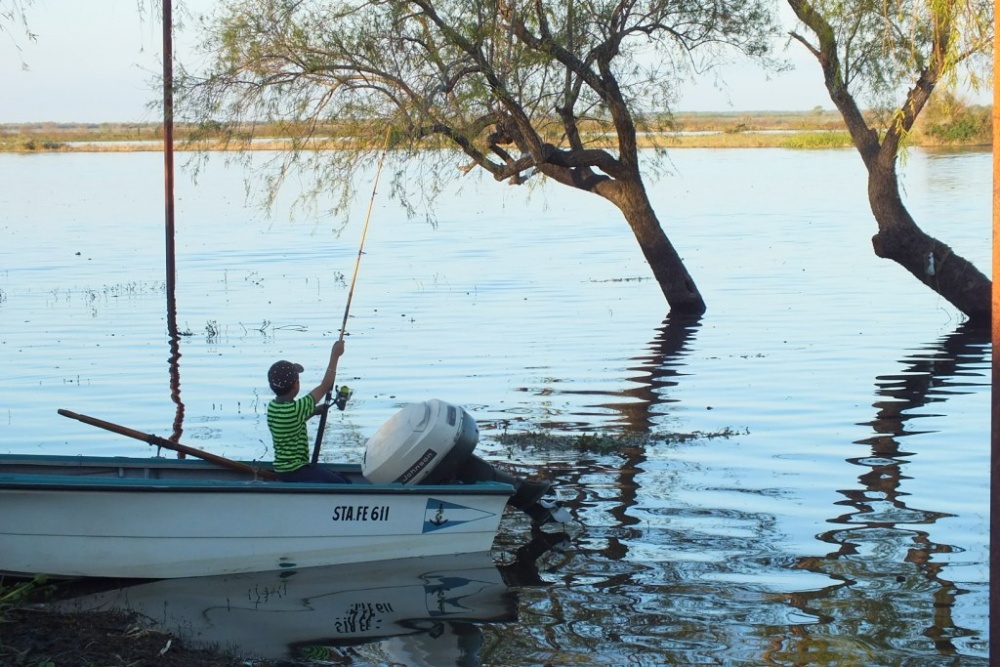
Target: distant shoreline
765,129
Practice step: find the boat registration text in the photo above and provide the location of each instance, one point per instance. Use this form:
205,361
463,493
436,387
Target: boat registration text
361,513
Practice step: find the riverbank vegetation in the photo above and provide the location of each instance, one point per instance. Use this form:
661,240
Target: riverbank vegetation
949,122
33,635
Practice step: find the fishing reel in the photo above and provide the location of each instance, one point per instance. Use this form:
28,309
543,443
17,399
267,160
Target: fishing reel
343,394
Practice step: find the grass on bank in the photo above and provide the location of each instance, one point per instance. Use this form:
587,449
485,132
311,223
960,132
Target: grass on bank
34,634
947,122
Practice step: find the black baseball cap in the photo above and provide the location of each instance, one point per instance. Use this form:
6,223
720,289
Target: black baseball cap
282,376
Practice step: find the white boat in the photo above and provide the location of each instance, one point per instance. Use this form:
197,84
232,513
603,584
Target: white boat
158,517
88,516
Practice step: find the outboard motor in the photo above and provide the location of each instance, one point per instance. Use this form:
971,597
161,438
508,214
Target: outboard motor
432,443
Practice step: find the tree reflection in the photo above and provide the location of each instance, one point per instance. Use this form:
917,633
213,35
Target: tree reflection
656,371
894,591
607,586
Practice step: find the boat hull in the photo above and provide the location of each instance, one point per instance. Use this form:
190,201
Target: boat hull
168,518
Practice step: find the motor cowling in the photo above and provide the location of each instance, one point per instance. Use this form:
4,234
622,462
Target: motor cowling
424,443
433,442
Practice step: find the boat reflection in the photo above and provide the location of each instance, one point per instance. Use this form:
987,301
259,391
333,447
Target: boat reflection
420,611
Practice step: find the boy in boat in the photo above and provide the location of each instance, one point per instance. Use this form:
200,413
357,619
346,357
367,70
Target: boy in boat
287,416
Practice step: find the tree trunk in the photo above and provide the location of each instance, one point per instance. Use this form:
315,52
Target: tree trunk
930,261
627,192
675,282
899,238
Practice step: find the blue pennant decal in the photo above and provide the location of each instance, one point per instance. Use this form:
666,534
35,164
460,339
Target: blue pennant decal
443,514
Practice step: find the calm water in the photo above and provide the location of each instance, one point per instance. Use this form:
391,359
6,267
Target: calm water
844,521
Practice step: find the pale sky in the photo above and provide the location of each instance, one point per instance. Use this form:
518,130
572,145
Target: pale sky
96,61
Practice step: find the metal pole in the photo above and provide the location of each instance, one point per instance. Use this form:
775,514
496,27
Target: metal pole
168,198
994,573
168,140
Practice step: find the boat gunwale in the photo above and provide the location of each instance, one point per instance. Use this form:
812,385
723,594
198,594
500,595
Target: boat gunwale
57,481
27,481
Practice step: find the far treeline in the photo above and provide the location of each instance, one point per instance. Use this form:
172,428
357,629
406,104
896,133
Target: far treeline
951,123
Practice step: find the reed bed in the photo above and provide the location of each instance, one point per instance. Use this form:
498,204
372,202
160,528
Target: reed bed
816,129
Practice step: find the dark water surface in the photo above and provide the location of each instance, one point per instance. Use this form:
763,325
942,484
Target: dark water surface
842,521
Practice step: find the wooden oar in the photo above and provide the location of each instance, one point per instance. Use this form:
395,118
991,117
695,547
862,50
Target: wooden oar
169,444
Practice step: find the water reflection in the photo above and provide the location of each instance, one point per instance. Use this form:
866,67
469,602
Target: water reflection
174,360
421,611
677,559
894,590
656,371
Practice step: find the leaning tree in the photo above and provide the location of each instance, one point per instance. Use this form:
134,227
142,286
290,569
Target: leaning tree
892,54
520,88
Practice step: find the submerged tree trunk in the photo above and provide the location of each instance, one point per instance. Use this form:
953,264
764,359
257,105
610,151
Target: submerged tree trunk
930,261
675,282
899,238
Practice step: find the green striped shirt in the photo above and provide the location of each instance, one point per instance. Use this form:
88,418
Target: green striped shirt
287,421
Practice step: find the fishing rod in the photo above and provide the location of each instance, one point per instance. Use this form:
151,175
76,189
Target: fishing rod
343,393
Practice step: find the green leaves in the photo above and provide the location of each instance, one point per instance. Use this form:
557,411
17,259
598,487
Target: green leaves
497,80
885,47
